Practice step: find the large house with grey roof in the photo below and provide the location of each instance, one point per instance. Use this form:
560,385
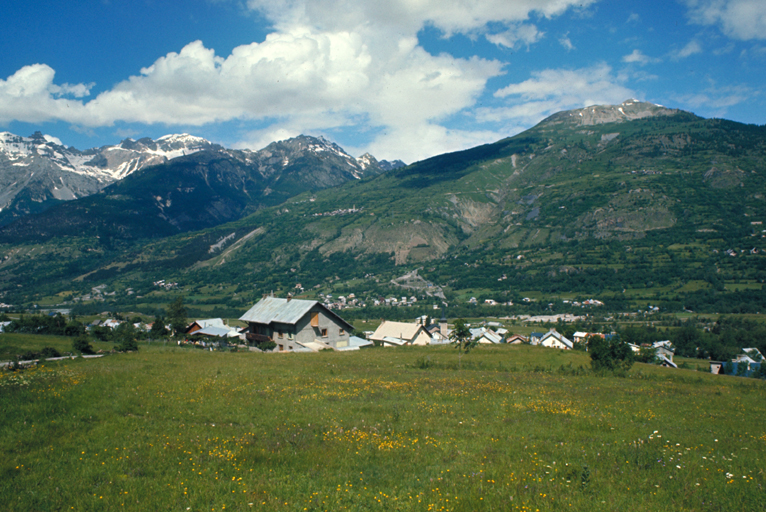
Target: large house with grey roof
295,325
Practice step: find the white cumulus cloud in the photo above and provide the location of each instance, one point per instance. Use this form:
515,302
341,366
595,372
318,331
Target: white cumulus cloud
638,57
693,47
30,95
566,42
522,34
326,65
552,90
409,16
739,19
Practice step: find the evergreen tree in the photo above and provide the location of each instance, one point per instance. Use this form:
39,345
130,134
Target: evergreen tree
177,315
461,338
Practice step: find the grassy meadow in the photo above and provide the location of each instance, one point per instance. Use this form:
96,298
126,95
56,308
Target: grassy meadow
517,428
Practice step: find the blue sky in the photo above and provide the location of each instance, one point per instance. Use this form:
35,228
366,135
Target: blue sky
401,79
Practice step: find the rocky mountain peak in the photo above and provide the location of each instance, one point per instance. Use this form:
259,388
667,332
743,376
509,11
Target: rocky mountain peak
628,110
367,160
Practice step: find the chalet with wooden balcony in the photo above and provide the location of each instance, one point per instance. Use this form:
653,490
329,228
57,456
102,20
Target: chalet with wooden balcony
295,325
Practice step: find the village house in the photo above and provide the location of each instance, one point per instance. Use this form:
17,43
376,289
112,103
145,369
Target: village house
439,331
212,328
554,339
392,334
201,324
295,325
516,339
484,335
580,336
749,355
664,350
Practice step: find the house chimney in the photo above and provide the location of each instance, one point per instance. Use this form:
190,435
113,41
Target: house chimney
289,297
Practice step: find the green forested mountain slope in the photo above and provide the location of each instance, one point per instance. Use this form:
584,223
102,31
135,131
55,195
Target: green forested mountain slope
629,202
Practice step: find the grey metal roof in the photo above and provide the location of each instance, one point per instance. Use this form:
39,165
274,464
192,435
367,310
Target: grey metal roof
221,332
355,343
273,309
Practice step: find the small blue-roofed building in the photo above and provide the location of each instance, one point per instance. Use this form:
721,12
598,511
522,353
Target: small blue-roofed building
295,325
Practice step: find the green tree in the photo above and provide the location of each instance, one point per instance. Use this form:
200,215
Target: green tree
686,340
647,355
609,355
158,329
125,337
74,328
461,338
177,315
101,333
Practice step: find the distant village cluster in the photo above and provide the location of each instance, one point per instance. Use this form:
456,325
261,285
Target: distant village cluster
339,211
284,325
164,285
98,293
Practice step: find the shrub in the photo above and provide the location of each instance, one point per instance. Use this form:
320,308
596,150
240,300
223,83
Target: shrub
47,352
127,344
82,345
266,346
29,355
423,362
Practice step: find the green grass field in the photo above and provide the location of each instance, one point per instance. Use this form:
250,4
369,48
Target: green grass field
518,428
12,344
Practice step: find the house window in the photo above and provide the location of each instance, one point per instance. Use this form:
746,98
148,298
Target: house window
279,334
315,319
324,332
341,332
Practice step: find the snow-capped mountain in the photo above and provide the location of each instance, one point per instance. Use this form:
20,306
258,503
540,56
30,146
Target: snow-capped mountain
39,170
315,153
131,155
105,163
367,160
